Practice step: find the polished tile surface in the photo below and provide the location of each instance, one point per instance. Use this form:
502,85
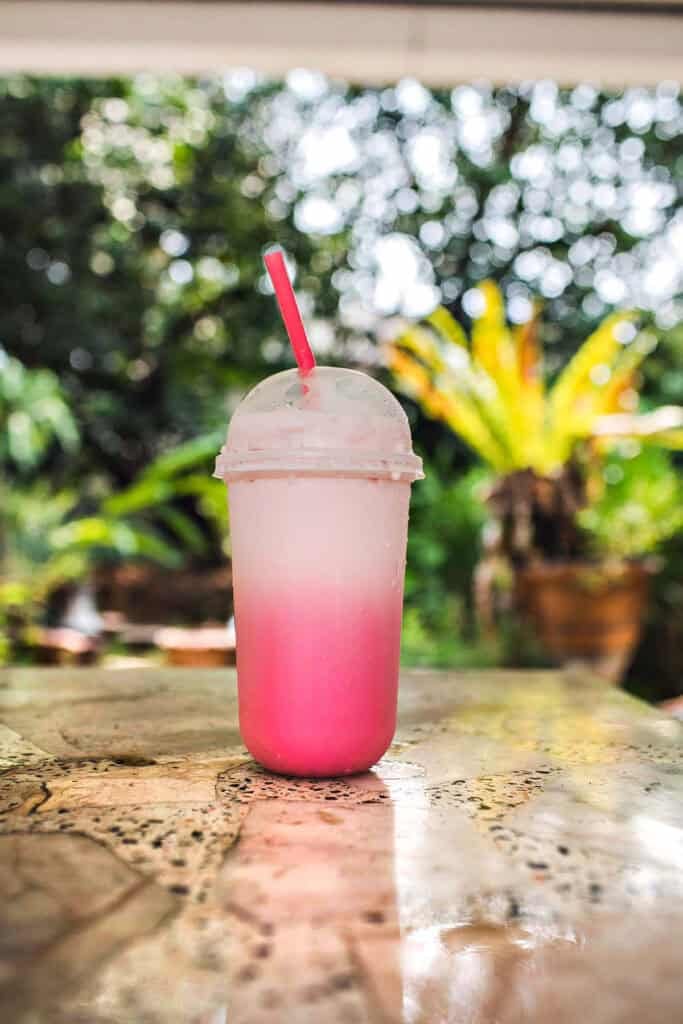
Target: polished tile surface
516,857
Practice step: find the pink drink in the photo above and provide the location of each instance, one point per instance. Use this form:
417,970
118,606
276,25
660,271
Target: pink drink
319,494
319,566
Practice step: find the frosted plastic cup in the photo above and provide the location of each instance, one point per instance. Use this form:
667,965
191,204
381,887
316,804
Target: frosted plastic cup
319,470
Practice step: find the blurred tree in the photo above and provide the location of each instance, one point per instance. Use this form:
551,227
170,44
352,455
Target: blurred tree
570,194
133,214
132,257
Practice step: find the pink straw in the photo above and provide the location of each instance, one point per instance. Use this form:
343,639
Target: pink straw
274,260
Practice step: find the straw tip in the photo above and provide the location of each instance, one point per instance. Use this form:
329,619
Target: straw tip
273,250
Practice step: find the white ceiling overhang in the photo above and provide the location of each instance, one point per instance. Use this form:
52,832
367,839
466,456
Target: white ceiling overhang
610,43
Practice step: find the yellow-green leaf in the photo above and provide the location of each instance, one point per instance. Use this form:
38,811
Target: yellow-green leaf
424,345
448,327
572,401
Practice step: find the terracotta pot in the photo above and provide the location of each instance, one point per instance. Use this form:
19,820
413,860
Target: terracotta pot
63,646
209,647
585,613
191,657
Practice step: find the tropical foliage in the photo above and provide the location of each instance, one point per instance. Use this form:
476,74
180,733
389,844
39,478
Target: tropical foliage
175,509
546,442
133,215
491,389
34,415
638,506
134,212
132,259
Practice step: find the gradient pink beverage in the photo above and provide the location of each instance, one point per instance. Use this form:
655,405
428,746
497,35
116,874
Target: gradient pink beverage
319,495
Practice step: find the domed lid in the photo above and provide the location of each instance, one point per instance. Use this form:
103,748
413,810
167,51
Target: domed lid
331,422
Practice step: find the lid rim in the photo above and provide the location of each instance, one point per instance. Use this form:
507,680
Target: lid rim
318,462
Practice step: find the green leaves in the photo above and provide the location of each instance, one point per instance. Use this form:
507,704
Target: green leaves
35,415
176,480
641,505
139,497
185,456
173,511
446,518
95,533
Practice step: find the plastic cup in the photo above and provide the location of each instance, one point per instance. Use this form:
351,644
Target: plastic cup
319,472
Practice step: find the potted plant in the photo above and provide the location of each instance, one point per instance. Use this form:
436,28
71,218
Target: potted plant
50,548
593,609
574,568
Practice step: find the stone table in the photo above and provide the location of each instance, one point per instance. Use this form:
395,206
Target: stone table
516,857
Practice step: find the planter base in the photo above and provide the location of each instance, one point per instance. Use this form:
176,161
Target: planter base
586,614
208,647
